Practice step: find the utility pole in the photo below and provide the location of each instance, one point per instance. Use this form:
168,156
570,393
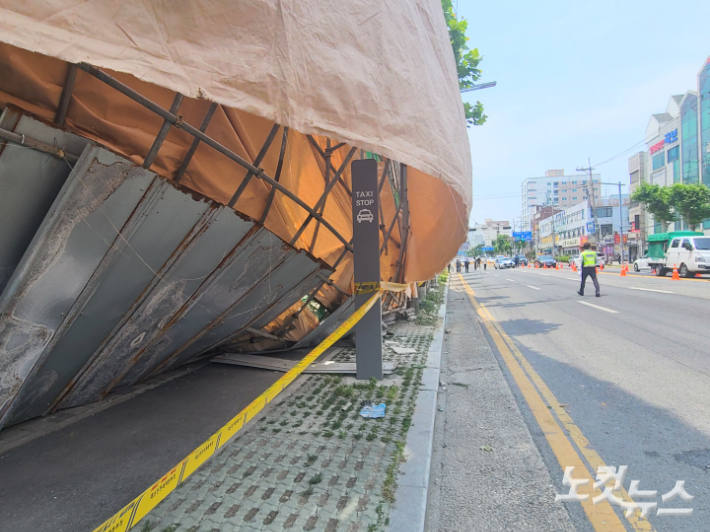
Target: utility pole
621,225
592,201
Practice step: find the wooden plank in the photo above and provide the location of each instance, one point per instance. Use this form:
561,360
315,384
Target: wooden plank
279,364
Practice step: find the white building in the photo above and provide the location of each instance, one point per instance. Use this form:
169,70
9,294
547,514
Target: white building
555,188
486,233
574,226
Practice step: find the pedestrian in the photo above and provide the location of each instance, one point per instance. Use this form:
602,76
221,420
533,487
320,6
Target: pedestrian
466,262
448,267
458,265
485,264
589,268
516,260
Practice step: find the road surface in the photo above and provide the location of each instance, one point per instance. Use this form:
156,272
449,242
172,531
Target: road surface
624,378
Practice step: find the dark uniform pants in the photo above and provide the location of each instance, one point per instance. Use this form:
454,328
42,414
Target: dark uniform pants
589,272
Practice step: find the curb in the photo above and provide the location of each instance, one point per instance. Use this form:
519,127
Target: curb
408,514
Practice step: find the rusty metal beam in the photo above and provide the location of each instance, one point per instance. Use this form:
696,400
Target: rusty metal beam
389,231
191,130
322,154
158,142
195,142
277,176
257,161
63,107
326,177
323,197
28,142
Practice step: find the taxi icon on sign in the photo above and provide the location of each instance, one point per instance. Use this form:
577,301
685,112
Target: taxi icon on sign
365,215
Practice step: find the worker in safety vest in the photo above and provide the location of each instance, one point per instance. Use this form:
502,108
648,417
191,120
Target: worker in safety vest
589,268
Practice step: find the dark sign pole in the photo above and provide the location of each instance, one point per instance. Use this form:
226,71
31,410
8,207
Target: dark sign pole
366,255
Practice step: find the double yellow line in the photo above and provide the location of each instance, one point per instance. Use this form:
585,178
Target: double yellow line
554,421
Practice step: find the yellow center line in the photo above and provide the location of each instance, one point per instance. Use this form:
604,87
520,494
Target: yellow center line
602,516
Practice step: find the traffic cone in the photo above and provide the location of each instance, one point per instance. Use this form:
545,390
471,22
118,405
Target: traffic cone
545,265
675,277
623,272
697,275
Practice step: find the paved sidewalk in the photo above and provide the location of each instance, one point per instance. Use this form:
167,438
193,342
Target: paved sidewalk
487,474
311,462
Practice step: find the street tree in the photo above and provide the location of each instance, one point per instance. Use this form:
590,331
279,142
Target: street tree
467,61
691,202
657,201
502,245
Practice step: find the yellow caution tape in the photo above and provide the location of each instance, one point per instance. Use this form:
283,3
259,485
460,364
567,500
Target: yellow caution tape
376,286
149,499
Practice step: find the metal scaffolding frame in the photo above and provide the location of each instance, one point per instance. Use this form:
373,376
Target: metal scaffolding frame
392,172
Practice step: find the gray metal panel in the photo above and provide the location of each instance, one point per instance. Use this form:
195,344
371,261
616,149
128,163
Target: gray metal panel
328,325
272,291
129,275
293,296
30,181
244,268
159,223
127,353
69,246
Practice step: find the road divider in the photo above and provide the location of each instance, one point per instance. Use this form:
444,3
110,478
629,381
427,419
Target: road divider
547,410
139,507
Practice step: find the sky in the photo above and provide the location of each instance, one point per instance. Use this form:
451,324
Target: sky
576,80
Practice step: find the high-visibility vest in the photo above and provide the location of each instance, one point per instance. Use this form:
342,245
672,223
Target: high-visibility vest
589,258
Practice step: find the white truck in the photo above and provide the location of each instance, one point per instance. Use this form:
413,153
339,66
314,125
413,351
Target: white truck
688,251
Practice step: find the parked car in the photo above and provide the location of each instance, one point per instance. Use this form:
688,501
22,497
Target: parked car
522,260
642,263
503,262
545,260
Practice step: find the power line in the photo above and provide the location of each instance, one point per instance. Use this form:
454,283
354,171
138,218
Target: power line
620,154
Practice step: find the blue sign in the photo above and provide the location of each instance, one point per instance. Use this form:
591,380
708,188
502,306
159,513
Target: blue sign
671,137
522,236
488,248
590,228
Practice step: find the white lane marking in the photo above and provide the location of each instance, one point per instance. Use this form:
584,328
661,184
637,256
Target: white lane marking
496,275
598,307
573,278
511,280
533,287
651,290
546,274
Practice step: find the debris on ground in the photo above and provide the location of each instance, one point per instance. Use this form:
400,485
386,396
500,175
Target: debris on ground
372,410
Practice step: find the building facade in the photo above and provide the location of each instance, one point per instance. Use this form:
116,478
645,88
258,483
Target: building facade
678,143
555,188
572,227
640,222
488,232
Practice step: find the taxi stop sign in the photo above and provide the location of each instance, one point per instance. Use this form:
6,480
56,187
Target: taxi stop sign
366,256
